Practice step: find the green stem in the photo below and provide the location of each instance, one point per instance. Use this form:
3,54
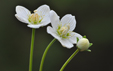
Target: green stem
44,54
31,50
69,59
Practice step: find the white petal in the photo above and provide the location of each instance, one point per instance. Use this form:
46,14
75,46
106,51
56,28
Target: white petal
69,19
54,19
78,35
43,10
51,31
37,26
22,12
45,20
21,19
34,26
44,23
73,37
66,43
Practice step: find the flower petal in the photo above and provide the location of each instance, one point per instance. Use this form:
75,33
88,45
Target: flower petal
69,19
54,19
51,31
22,12
43,10
44,23
21,19
66,43
45,20
33,26
73,37
78,35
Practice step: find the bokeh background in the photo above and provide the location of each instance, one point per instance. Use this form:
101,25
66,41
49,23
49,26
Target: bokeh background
94,19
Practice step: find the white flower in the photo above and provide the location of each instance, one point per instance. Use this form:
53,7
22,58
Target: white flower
63,30
39,18
83,44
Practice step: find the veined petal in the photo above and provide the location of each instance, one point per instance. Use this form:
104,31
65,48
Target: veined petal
34,26
51,31
78,35
54,19
45,20
69,19
44,23
22,12
37,25
66,43
73,37
43,10
24,20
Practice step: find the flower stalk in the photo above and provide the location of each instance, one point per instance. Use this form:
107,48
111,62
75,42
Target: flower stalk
69,59
31,49
44,54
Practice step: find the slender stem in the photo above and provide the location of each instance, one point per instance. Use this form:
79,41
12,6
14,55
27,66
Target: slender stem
31,49
44,54
69,59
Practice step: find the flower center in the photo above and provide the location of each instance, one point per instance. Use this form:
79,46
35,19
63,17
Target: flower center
63,31
34,18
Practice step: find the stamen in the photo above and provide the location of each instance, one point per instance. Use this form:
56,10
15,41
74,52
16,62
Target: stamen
35,11
34,18
63,31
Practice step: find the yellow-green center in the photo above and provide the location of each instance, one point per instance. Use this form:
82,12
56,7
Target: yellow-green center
63,31
34,18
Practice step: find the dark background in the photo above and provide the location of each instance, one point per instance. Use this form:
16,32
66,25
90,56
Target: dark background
94,19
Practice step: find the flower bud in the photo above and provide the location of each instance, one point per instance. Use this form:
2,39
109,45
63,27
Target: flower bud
83,44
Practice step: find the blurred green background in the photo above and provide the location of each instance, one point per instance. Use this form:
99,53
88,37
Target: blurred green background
94,19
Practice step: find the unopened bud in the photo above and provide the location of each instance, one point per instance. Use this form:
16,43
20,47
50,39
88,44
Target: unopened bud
83,44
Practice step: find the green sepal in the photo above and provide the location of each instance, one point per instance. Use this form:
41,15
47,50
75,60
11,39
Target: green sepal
84,36
90,44
88,50
77,39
